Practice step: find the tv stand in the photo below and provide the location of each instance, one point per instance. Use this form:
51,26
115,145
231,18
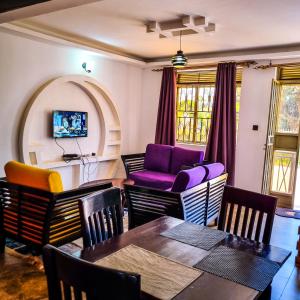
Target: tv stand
71,156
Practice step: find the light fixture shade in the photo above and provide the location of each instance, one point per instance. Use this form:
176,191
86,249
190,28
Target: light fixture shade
179,60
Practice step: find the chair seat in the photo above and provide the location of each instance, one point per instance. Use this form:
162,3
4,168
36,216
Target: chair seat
153,179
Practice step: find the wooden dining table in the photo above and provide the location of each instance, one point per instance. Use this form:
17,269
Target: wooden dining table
207,286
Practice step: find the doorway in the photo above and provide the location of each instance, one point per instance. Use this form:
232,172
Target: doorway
281,176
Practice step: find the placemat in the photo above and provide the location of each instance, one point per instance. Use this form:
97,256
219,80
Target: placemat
160,277
244,268
195,235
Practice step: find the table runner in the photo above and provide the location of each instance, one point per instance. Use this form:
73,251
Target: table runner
195,235
244,268
160,277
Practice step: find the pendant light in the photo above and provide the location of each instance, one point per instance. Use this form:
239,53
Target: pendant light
179,60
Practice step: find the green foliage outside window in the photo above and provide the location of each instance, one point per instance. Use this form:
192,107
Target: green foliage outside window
194,110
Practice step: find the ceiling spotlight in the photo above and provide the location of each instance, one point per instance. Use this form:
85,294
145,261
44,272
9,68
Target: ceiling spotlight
179,60
85,67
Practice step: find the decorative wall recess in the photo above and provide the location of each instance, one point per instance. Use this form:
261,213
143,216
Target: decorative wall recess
79,93
186,25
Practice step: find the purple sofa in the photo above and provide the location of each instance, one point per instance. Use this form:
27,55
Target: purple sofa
162,164
161,168
163,187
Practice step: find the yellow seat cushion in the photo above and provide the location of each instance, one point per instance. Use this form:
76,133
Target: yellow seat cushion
22,174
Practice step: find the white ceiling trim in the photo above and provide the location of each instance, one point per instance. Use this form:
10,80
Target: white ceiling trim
263,53
33,32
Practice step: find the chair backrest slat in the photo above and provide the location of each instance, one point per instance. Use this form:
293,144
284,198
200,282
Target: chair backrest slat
71,278
258,225
247,214
102,226
245,221
231,207
101,216
251,224
108,223
237,220
98,234
67,291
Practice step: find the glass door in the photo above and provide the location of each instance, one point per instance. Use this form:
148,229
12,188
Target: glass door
284,166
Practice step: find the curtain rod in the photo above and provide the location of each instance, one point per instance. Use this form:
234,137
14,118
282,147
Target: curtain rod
270,65
245,63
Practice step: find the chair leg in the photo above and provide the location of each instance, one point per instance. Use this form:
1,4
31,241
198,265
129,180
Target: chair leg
2,244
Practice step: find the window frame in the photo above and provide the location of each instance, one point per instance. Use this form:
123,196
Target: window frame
195,112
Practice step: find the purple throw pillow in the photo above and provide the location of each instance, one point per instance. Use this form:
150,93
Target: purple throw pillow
183,156
158,158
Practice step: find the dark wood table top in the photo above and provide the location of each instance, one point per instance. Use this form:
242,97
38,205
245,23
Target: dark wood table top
207,286
117,182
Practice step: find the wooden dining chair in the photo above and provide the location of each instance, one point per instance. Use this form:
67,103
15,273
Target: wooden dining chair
247,214
69,278
101,216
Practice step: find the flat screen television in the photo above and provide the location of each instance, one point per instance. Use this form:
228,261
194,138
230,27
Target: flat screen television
70,124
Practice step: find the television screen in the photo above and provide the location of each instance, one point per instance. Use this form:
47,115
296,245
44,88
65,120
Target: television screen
68,124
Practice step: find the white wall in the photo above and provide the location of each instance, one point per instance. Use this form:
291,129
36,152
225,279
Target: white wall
254,110
27,64
148,114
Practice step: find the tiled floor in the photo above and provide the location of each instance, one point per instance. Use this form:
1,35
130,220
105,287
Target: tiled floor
286,284
19,279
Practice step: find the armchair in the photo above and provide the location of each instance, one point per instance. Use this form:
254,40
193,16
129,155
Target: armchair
36,216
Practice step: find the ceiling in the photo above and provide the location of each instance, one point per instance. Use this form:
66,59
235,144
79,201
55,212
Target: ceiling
119,24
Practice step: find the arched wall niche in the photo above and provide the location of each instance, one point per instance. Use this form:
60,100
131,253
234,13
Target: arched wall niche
73,93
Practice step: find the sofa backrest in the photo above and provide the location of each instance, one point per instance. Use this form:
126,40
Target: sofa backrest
169,159
213,170
188,178
182,156
47,180
158,157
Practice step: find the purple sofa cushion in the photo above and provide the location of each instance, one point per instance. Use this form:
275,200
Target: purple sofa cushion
188,178
213,170
181,156
153,179
158,158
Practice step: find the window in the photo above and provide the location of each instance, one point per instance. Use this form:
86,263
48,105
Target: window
195,94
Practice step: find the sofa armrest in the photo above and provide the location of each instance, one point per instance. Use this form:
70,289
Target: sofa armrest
133,162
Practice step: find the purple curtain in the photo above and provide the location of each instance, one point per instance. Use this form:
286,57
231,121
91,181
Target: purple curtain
222,135
165,125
